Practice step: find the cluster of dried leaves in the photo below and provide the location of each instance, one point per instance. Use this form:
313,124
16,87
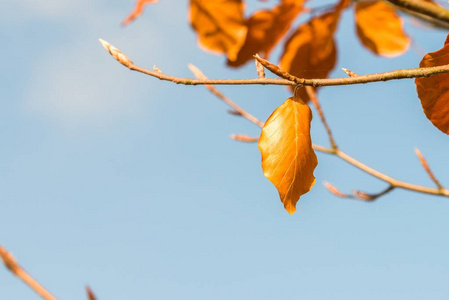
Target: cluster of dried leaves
309,51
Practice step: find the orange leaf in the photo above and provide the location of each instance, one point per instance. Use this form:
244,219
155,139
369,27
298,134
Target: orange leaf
380,29
288,159
265,29
433,91
138,10
220,25
310,52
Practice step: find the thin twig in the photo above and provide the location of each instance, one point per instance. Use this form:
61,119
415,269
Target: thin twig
312,95
424,7
17,270
427,169
359,195
292,81
260,69
244,138
197,72
393,182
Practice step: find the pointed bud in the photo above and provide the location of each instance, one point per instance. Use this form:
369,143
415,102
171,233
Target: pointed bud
349,72
117,54
260,69
156,69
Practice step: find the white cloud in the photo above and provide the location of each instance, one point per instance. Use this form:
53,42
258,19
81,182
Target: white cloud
75,83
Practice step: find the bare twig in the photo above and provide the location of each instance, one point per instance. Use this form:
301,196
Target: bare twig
244,138
234,113
292,81
423,7
333,189
393,182
427,169
197,72
359,195
17,270
260,69
312,95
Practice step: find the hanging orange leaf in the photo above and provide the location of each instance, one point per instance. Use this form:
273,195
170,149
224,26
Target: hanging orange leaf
380,29
265,29
433,91
138,10
288,159
310,52
220,25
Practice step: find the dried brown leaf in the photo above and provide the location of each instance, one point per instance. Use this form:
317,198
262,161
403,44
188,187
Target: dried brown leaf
433,91
288,159
380,29
138,10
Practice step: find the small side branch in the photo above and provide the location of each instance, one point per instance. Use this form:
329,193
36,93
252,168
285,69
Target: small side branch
200,75
16,269
289,80
312,95
427,169
393,182
244,138
356,194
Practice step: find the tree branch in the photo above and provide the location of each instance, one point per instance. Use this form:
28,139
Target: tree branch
357,194
393,183
291,81
398,74
294,81
427,169
17,270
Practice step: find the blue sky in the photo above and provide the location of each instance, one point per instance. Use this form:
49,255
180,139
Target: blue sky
131,185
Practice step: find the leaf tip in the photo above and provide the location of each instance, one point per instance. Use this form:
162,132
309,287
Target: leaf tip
290,208
105,44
